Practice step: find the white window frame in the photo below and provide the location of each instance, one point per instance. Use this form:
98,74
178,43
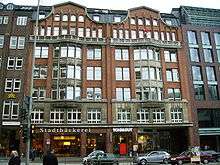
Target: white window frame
57,113
176,115
2,41
22,20
36,115
144,115
95,115
74,113
123,115
158,116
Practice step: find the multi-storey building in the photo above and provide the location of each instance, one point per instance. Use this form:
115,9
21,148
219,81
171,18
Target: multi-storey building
15,28
201,33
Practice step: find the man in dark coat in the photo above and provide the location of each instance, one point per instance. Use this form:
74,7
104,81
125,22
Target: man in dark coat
15,159
50,158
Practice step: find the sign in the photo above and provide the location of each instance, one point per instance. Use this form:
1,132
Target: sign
11,96
10,123
122,129
195,159
63,130
48,141
123,149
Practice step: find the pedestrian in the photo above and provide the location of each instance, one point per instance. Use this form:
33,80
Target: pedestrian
50,158
15,159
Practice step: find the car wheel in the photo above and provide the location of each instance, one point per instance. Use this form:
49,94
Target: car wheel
143,162
205,161
165,161
180,162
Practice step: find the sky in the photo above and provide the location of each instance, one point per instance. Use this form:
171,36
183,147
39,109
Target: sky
164,6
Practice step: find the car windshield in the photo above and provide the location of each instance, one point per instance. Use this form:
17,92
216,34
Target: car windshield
94,153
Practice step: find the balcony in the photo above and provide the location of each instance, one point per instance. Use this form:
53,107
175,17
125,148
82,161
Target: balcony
68,38
146,41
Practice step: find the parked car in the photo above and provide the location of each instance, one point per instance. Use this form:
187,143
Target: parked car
100,158
215,155
185,157
153,157
92,155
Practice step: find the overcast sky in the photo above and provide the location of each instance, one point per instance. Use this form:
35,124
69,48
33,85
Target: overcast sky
160,5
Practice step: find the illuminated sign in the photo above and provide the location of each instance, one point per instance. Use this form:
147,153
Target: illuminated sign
64,130
66,143
122,129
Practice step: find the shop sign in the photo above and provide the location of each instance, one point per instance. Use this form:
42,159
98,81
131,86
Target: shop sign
10,123
122,129
64,130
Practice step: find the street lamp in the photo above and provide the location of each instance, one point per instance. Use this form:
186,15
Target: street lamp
31,87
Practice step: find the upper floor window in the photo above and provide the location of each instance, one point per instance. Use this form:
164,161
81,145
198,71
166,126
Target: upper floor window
143,116
3,19
158,116
94,73
210,72
120,32
15,63
147,21
10,110
149,93
155,22
123,94
70,51
81,32
74,116
208,55
48,31
194,54
115,33
94,54
57,116
17,42
40,72
68,92
162,36
205,38
64,31
124,115
217,38
156,35
94,93
57,17
218,55
133,34
99,33
96,18
132,21
196,71
122,73
94,33
176,115
65,17
21,20
94,115
41,52
73,18
117,19
121,54
174,93
213,92
191,37
170,56
12,85
56,31
126,34
81,18
1,41
37,116
173,35
39,93
168,36
140,21
199,92
172,75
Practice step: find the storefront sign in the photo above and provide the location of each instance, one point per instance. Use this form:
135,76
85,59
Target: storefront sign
64,130
122,129
10,123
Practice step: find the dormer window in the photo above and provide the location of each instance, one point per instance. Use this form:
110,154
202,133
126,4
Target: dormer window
117,19
73,18
132,21
81,18
57,17
65,18
96,18
140,21
155,22
41,16
168,22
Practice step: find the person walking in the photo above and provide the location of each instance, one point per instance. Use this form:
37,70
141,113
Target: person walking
15,159
50,158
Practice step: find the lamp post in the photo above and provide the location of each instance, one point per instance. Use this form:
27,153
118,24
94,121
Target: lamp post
31,87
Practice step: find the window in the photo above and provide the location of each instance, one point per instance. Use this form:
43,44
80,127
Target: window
218,54
65,18
21,42
121,34
56,31
21,20
41,52
155,22
115,33
199,92
15,63
94,116
147,22
39,93
205,38
121,54
143,116
73,18
37,116
1,41
88,33
117,19
57,17
133,34
132,21
122,74
210,72
94,33
13,42
42,31
191,37
141,34
124,115
94,93
176,115
80,32
57,116
123,94
217,38
73,116
81,18
48,31
71,52
96,18
194,54
172,75
162,36
196,70
140,54
68,92
10,110
40,72
94,54
4,20
213,92
94,73
173,35
170,56
99,33
152,73
168,36
64,31
208,55
156,35
69,71
12,85
158,116
126,34
140,21
41,16
174,94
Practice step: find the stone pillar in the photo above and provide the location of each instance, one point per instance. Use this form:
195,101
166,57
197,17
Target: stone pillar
193,137
47,142
83,144
168,112
109,141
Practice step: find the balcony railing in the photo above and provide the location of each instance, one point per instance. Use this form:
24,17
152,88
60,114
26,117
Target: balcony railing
146,41
68,38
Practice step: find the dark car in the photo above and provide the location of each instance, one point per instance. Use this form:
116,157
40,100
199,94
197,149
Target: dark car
152,157
215,155
100,158
185,157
